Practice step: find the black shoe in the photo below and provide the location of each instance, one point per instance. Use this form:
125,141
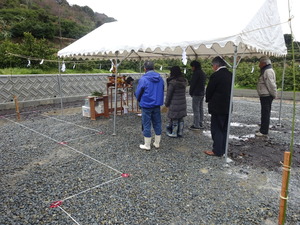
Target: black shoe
259,134
194,128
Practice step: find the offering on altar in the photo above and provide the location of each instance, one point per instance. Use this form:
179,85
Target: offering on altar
120,79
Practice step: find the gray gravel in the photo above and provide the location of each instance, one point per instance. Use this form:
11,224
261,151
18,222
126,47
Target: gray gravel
48,157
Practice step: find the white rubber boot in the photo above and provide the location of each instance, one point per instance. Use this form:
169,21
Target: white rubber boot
147,144
157,141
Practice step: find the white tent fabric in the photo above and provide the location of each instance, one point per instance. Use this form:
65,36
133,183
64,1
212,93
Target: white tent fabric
169,35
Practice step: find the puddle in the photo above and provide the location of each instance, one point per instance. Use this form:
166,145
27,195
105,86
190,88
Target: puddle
207,133
273,118
192,114
242,138
232,137
235,124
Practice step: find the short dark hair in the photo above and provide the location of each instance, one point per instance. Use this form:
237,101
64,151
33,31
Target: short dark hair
129,80
175,71
218,61
195,64
149,65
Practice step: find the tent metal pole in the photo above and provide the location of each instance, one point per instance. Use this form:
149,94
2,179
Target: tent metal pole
191,47
231,102
221,57
116,87
282,87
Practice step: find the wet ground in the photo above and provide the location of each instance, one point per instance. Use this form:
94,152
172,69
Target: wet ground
267,152
244,147
49,156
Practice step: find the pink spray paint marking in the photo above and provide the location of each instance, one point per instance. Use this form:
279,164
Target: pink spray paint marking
56,204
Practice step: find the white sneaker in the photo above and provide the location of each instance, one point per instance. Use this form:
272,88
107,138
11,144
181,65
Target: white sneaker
258,134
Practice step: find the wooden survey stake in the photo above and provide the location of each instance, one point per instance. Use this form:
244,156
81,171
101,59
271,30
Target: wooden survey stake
17,107
284,191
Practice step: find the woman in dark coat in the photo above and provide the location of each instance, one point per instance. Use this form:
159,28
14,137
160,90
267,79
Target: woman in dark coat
176,102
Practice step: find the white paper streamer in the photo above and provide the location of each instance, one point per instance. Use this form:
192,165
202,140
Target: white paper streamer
112,66
184,59
29,63
63,67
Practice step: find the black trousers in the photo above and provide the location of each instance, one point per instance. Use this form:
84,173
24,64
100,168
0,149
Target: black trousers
266,105
218,130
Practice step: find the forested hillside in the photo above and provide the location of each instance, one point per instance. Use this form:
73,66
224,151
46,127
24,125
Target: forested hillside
37,29
47,19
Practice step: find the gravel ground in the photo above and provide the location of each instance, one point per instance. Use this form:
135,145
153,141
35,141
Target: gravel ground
48,156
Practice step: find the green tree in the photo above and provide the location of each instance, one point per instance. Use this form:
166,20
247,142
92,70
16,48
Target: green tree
7,60
37,22
36,48
4,29
70,29
247,74
9,4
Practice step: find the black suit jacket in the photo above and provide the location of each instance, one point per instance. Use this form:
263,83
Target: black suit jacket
218,92
197,83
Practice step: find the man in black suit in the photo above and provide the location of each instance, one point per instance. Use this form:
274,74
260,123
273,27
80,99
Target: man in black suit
218,93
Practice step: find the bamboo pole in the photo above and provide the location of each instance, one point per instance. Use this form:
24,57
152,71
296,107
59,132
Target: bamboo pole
284,187
282,216
17,107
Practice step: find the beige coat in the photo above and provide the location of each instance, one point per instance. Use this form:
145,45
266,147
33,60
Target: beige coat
266,85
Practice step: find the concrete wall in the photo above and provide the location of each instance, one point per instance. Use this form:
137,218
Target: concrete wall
41,89
34,90
286,95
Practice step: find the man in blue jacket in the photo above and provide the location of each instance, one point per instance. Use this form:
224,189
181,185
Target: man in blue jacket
150,95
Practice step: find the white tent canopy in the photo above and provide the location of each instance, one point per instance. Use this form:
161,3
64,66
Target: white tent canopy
157,35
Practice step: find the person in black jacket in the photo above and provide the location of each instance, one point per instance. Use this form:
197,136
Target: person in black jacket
176,102
218,93
197,92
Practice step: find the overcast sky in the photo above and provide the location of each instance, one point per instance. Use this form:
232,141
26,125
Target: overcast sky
126,9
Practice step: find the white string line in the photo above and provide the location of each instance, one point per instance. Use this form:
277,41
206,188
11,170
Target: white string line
49,60
107,182
27,112
32,130
87,128
65,145
80,137
79,153
82,193
92,158
69,215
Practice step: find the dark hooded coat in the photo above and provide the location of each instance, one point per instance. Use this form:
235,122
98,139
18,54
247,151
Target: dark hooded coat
176,97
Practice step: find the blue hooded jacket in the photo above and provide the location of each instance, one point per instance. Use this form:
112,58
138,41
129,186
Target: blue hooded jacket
150,90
